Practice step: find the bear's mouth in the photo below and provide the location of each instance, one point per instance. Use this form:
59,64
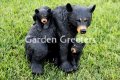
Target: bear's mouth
44,20
81,29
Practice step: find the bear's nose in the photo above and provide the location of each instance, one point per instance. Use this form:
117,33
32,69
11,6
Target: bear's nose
44,21
83,31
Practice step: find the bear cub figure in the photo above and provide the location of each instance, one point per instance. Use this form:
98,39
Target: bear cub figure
76,52
37,49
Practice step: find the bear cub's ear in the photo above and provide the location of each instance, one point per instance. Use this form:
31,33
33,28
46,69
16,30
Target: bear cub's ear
49,10
36,11
91,8
35,15
69,7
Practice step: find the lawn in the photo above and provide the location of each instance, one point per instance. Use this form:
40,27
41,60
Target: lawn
100,60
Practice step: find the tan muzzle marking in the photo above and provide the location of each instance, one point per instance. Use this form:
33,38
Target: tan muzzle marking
44,20
81,28
73,50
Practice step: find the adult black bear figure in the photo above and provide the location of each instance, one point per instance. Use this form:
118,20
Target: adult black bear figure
36,48
71,19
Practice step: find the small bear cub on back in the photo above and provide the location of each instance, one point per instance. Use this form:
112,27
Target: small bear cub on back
43,15
43,27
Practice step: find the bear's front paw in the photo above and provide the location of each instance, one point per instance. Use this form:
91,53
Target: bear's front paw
74,64
75,67
66,67
36,69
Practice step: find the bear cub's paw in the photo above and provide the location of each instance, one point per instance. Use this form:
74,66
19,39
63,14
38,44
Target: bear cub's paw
75,67
36,69
66,67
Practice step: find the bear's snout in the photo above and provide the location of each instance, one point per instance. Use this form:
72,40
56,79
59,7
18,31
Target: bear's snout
73,50
81,29
44,20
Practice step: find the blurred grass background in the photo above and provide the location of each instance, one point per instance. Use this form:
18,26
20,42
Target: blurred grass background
100,61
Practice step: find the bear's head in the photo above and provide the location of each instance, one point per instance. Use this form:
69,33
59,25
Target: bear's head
80,17
77,47
42,15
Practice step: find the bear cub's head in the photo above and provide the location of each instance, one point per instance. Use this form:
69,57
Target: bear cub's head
42,15
80,17
77,48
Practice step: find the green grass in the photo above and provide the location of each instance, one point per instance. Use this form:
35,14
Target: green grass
100,61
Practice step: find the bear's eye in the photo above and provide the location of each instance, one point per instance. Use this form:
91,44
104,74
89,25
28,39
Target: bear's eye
43,16
78,20
85,19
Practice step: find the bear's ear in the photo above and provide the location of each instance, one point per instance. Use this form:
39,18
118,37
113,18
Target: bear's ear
69,7
91,8
36,11
49,10
35,15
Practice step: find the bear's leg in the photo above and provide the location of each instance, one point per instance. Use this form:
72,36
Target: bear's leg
74,63
28,52
65,65
40,51
77,58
